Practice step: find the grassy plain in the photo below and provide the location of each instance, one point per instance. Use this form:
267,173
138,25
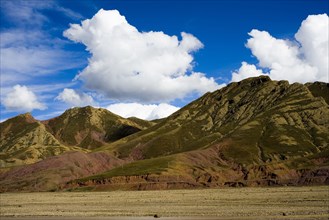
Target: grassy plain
224,203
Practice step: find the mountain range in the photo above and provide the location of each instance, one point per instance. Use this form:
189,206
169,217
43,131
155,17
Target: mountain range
256,132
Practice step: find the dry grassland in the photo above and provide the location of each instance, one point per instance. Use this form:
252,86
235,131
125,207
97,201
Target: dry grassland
224,203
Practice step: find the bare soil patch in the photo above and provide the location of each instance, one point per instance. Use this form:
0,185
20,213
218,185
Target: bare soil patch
224,203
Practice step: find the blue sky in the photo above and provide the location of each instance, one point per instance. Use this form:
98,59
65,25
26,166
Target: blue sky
40,64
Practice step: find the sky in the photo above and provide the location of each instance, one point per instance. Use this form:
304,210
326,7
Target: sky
148,58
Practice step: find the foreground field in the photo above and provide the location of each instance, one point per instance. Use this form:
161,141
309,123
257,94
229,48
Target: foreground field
225,203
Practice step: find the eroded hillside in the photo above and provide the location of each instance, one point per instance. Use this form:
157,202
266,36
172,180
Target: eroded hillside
25,140
256,132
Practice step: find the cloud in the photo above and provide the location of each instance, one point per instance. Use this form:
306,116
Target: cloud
25,41
23,12
313,36
147,112
303,60
129,65
246,70
37,53
72,98
22,99
34,60
30,13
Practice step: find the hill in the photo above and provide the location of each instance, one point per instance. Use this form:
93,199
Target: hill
257,114
253,132
24,140
256,132
90,127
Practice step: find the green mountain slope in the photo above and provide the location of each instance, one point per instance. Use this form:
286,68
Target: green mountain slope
90,127
25,140
256,132
264,119
251,132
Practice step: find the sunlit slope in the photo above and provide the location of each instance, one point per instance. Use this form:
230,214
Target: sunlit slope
257,120
256,132
25,140
90,127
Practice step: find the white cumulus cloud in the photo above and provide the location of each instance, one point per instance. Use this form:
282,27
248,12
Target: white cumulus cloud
246,70
313,36
20,98
148,112
73,98
304,59
129,65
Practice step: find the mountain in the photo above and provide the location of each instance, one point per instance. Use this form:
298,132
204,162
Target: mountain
24,140
256,132
90,127
263,119
253,132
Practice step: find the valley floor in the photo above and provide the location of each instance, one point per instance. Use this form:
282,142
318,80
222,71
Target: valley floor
224,203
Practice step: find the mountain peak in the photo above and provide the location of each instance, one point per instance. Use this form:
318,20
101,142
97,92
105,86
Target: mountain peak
257,79
87,108
253,132
27,114
25,140
89,111
251,81
275,113
90,127
26,117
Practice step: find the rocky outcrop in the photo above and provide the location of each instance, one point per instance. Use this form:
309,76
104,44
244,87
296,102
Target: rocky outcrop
165,181
141,182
